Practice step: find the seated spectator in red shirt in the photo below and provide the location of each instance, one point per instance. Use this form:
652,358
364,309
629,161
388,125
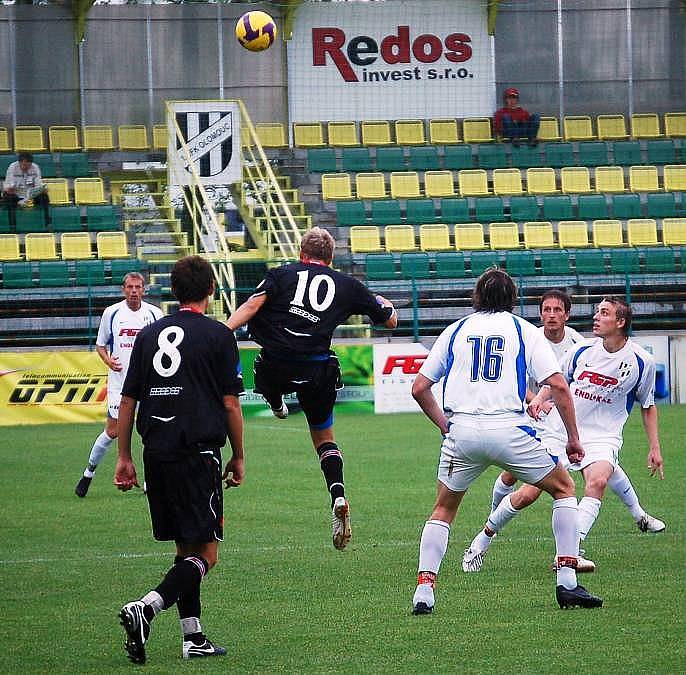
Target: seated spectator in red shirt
513,123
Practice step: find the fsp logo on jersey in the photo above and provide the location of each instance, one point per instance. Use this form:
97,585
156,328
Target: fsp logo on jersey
598,378
129,332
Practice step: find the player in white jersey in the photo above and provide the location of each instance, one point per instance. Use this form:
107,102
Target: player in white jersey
607,374
555,307
483,360
119,325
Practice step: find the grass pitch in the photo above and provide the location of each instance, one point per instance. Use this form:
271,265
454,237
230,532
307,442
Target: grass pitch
283,600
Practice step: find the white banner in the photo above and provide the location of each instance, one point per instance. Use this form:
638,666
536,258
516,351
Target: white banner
390,60
211,131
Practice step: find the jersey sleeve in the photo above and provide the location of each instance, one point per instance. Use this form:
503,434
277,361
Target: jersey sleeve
541,362
367,304
645,387
231,381
268,285
436,362
133,382
105,329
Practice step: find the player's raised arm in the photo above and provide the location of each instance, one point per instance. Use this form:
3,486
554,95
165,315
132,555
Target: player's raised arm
246,311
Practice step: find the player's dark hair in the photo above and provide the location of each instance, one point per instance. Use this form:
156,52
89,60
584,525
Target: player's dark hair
558,295
318,244
494,292
191,279
25,155
622,311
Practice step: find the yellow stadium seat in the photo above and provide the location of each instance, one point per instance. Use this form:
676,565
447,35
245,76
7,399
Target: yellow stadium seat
607,233
675,177
675,125
133,137
645,125
271,134
29,138
572,234
89,191
343,134
58,191
575,179
5,140
75,246
507,182
674,231
399,238
308,134
439,184
538,235
469,236
434,237
578,128
159,137
443,132
370,185
376,132
541,181
549,130
609,179
112,245
365,239
410,132
405,185
611,127
336,186
64,139
477,130
643,179
642,232
9,247
503,235
473,182
98,137
40,246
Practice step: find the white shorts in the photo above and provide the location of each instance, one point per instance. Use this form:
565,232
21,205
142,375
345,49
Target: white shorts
113,399
467,451
597,452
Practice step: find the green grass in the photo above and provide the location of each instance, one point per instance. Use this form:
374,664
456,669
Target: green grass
283,600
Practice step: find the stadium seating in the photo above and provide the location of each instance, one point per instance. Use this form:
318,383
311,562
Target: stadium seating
410,132
473,182
133,137
390,159
386,212
626,206
642,232
443,131
405,185
489,209
549,129
64,139
424,158
449,265
557,207
611,127
524,208
538,235
336,186
659,205
593,153
477,130
5,145
321,160
415,266
541,181
17,275
376,132
121,266
572,234
609,179
111,245
75,246
592,207
399,238
351,212
58,190
520,263
525,156
9,247
4,221
74,164
456,157
607,233
29,138
272,134
420,211
160,137
555,262
343,134
675,178
643,179
578,128
625,261
370,186
590,262
675,125
98,138
480,261
434,237
65,219
365,239
645,125
659,260
439,184
90,273
469,236
380,267
627,153
40,246
507,182
89,191
100,218
47,165
454,210
503,236
661,152
492,156
53,274
674,231
30,220
308,135
356,159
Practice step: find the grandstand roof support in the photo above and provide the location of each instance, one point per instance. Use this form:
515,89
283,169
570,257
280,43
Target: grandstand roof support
80,9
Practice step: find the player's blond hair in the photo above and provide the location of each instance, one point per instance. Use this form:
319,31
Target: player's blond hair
622,311
318,244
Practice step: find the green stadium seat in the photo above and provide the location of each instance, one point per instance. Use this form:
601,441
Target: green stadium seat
4,221
558,208
351,213
386,212
5,161
53,274
458,157
65,219
424,158
489,210
625,261
46,164
480,261
449,266
454,210
30,220
380,266
626,206
627,153
520,263
492,156
390,159
589,261
661,205
321,160
121,266
659,259
420,211
661,152
74,165
90,273
592,207
17,275
525,157
357,159
555,262
593,153
414,266
102,218
558,155
523,208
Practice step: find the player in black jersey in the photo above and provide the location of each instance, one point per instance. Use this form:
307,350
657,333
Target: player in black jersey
185,375
292,314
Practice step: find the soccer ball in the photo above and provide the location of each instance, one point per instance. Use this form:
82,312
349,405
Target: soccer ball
256,31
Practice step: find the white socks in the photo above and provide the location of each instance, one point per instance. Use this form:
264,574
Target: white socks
566,538
100,447
500,490
589,507
154,600
433,545
620,484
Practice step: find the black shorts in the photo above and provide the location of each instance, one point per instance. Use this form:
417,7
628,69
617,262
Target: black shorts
315,383
185,496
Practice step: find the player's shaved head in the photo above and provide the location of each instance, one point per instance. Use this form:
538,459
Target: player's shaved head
192,279
494,292
317,244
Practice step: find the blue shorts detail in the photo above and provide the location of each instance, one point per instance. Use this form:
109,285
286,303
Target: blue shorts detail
328,422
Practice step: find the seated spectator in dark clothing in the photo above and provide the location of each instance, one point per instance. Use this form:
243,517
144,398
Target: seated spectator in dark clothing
513,123
24,188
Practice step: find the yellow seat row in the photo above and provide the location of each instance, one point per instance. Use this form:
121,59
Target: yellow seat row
470,236
87,191
474,182
99,137
73,246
